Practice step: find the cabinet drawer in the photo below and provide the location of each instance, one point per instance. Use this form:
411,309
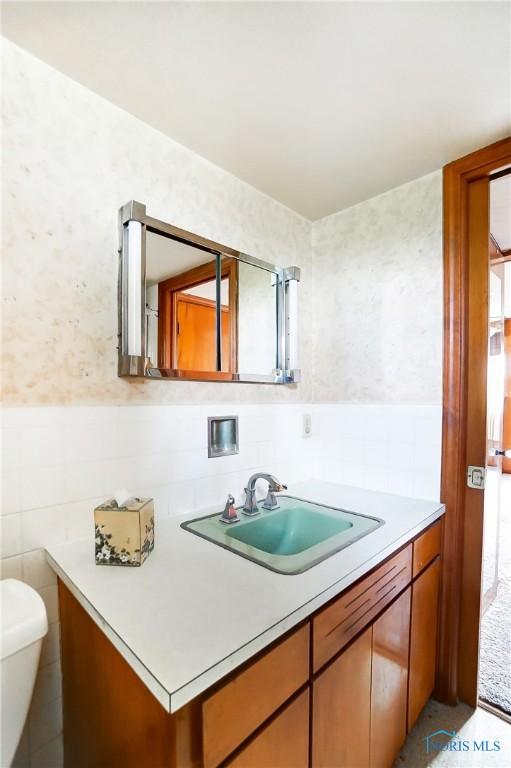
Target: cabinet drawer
235,710
339,622
426,547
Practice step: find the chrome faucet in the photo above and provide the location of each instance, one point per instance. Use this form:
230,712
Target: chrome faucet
250,506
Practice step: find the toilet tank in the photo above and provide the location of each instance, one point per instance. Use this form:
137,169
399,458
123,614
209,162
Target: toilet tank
23,624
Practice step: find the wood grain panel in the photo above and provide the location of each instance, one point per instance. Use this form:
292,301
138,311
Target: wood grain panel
168,292
343,619
457,176
111,720
477,357
196,333
423,640
341,710
506,436
426,547
236,709
284,743
389,688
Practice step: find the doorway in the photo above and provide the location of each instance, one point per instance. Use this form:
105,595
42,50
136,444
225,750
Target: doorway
495,636
466,442
187,319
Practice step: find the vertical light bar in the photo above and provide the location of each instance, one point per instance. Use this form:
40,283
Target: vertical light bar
276,284
218,311
134,308
291,325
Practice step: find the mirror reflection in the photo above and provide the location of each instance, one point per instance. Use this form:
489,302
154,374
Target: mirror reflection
207,313
180,305
257,319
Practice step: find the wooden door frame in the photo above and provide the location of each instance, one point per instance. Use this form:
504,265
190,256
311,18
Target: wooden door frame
167,291
506,463
456,179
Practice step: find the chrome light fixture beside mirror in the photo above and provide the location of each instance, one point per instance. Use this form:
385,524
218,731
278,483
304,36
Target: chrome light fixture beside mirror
193,309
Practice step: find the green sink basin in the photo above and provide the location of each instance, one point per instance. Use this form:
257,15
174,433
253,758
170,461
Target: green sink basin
289,531
290,539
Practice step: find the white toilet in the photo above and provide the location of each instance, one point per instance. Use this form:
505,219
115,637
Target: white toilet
23,625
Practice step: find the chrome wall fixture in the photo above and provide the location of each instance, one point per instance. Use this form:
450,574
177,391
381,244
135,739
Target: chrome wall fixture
134,223
223,437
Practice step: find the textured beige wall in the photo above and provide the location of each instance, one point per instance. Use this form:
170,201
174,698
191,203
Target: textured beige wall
70,160
377,287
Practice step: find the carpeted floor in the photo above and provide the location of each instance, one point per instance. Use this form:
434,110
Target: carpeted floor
495,653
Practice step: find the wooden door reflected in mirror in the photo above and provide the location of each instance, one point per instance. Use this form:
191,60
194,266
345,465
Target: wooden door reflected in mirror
189,339
181,307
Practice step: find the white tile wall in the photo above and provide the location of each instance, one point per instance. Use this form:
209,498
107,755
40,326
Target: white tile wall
390,448
58,463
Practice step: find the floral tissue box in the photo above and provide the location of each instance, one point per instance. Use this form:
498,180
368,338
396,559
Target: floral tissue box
124,535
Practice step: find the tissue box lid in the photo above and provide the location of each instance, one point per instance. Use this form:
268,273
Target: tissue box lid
133,505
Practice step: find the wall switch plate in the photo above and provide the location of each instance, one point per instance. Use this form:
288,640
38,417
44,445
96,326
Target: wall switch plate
306,425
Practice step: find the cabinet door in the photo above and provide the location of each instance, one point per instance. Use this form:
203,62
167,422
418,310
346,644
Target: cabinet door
283,743
341,709
238,707
423,637
391,633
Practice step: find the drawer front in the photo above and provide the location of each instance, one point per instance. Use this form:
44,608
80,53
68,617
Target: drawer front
337,624
426,547
236,709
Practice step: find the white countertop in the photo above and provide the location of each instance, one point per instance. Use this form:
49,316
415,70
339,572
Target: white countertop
195,611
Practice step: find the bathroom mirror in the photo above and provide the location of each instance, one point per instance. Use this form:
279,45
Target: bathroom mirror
194,309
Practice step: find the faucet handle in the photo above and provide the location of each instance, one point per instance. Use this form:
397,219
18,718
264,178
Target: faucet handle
250,506
229,515
271,501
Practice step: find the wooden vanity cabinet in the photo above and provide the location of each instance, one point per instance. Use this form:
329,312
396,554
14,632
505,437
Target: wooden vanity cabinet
423,639
338,691
111,720
424,619
283,743
426,547
334,626
359,700
366,700
389,681
341,708
232,712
